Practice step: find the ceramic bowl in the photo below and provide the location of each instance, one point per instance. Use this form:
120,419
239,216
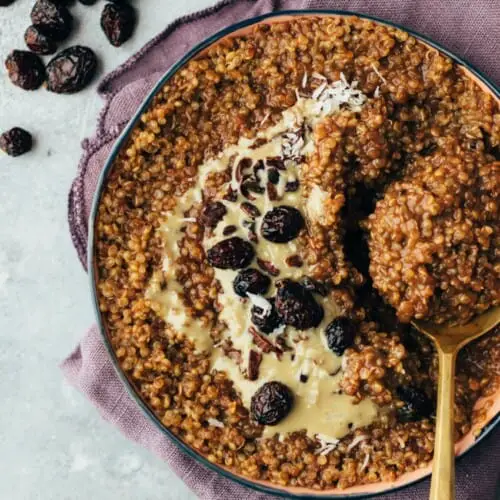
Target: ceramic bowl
465,444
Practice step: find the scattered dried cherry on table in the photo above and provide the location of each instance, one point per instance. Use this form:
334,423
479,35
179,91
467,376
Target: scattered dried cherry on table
271,403
16,141
118,22
53,19
38,42
340,335
416,404
282,224
232,253
88,2
297,305
251,281
6,3
71,70
25,69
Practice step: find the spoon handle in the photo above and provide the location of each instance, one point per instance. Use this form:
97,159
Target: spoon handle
443,469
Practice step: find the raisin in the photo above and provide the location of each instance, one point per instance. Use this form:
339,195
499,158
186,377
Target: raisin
417,405
213,213
266,323
282,224
38,42
271,403
53,19
233,253
297,305
25,69
251,280
16,141
71,70
118,22
340,335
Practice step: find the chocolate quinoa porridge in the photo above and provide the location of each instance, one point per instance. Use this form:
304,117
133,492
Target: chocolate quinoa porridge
276,189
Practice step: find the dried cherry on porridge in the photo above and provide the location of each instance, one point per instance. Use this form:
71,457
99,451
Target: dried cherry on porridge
297,305
232,253
271,403
282,224
251,281
340,335
416,404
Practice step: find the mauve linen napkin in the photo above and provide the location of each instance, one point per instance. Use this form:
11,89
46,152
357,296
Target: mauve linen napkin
469,28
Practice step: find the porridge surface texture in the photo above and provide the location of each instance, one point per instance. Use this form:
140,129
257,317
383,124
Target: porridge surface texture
273,189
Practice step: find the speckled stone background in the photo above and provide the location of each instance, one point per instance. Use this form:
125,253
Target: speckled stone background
53,444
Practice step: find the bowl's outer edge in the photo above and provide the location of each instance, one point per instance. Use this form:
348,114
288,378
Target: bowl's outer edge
265,487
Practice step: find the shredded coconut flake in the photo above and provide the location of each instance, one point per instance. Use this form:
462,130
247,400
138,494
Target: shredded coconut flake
266,117
356,441
378,73
331,97
215,423
318,76
327,444
364,465
188,219
261,303
304,80
377,92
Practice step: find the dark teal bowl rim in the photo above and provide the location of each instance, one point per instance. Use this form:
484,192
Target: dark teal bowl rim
91,243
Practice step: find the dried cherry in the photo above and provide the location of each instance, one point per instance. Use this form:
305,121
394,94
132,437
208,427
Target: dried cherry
297,305
282,224
118,22
340,335
251,281
232,253
38,42
71,70
271,403
53,19
417,405
25,69
16,141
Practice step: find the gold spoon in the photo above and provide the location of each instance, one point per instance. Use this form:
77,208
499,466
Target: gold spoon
448,341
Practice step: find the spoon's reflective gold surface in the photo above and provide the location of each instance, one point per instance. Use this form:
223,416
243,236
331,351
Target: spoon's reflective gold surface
449,340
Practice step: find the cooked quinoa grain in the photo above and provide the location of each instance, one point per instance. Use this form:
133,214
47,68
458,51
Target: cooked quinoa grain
420,146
